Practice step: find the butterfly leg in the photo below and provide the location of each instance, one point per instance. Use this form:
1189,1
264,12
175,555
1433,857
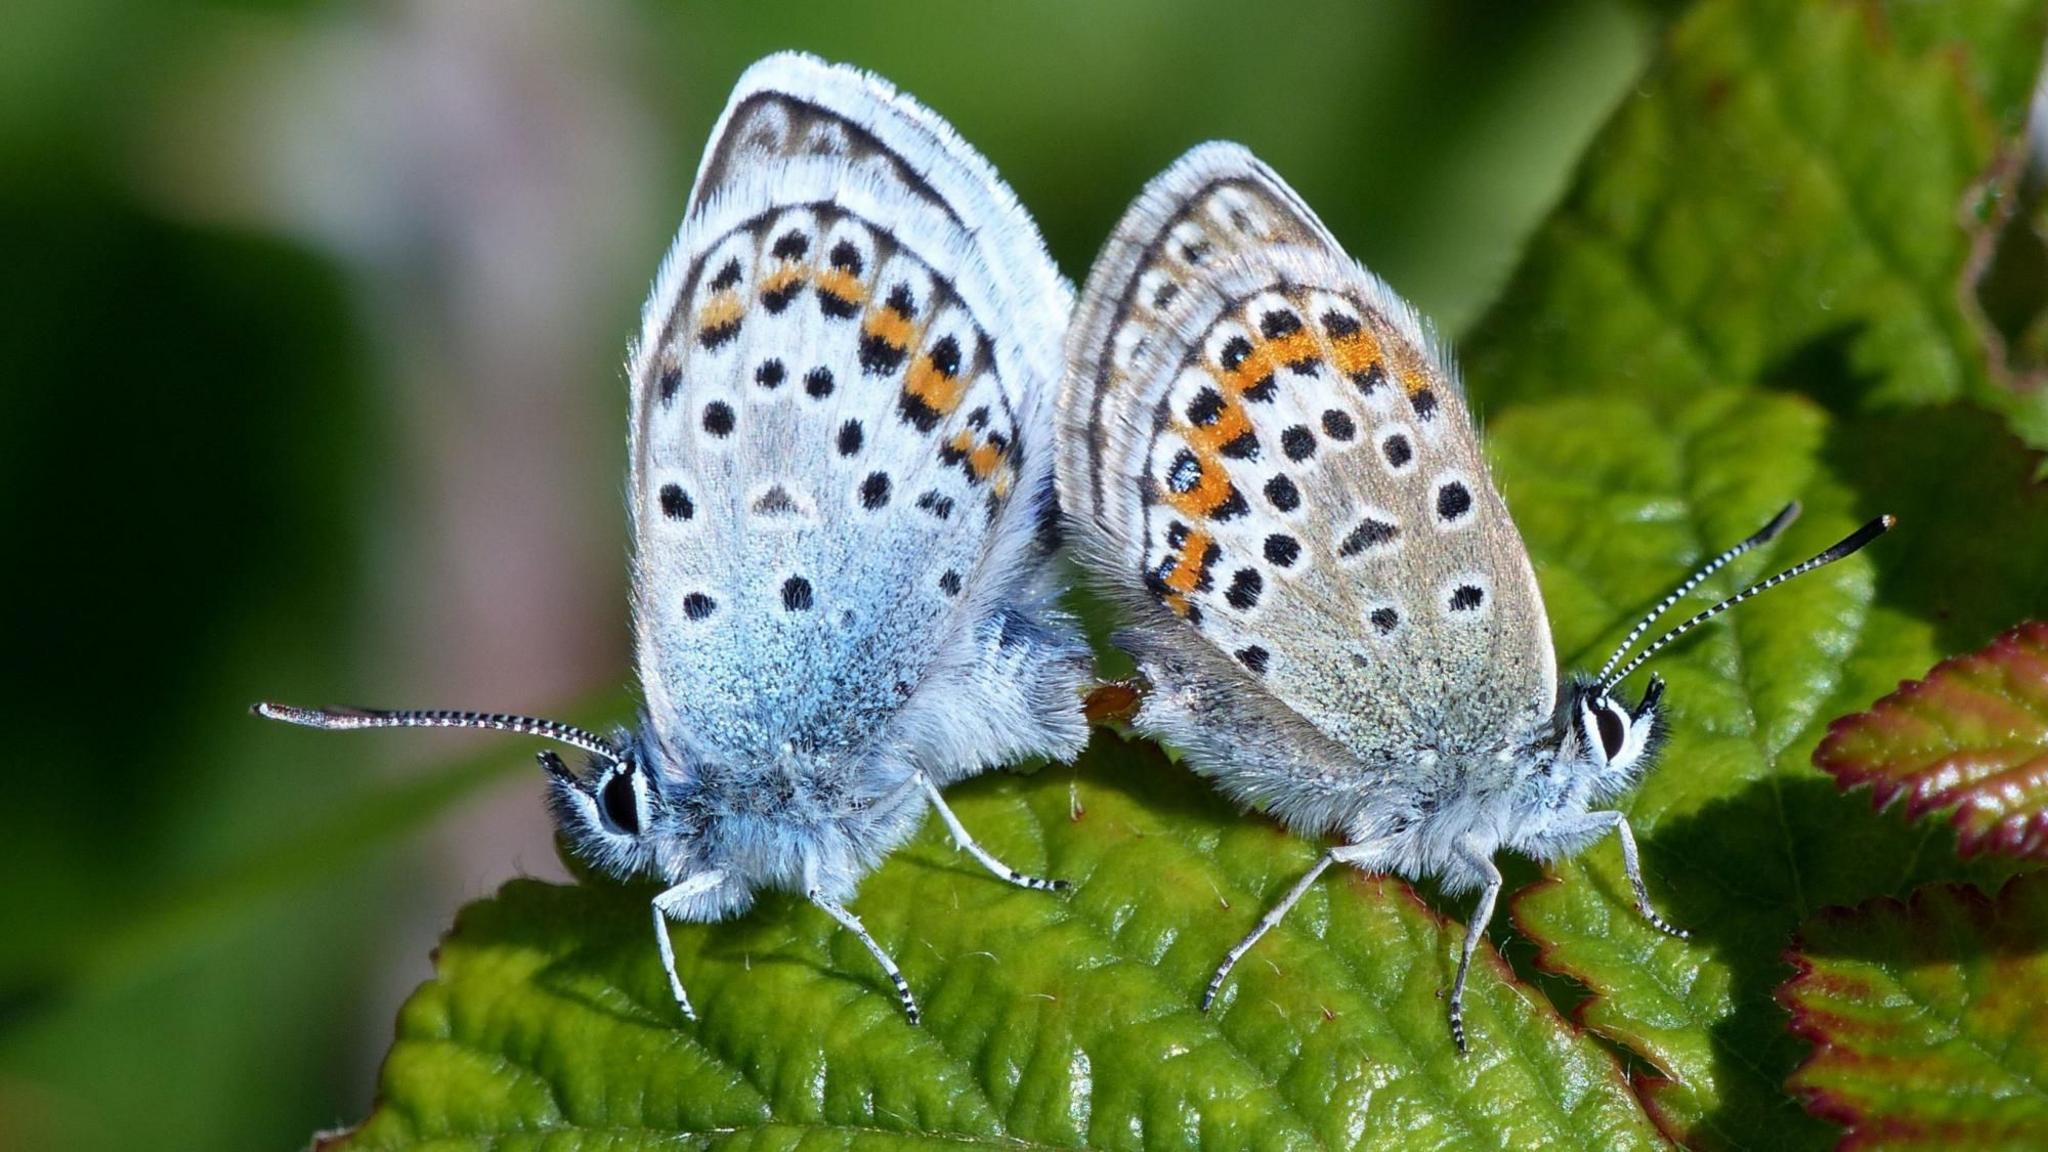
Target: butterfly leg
1357,854
1595,824
1631,865
667,904
851,923
1475,931
987,858
1273,916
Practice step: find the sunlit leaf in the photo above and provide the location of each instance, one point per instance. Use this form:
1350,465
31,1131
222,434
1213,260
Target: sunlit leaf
1049,1019
1970,740
1755,286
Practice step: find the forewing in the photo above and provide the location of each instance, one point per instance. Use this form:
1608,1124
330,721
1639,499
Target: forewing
1268,452
843,380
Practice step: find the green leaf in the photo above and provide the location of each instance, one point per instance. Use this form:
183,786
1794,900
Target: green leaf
1050,1019
1926,1018
1789,173
1972,738
1750,295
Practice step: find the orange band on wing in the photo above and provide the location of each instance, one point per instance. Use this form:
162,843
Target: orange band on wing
1211,492
1192,564
936,390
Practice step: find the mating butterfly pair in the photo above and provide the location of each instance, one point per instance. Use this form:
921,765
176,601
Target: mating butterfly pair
858,384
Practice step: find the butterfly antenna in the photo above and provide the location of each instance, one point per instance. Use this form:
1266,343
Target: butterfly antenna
1848,545
349,719
1763,536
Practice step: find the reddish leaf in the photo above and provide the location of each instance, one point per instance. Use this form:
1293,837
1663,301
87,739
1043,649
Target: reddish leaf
1927,1018
1972,737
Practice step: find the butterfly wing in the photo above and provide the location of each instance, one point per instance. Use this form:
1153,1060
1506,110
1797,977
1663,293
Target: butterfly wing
841,422
1266,451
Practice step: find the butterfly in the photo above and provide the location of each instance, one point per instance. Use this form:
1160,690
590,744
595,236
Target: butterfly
842,509
1267,459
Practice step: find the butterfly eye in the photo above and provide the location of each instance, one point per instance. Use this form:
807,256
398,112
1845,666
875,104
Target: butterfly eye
619,804
1613,730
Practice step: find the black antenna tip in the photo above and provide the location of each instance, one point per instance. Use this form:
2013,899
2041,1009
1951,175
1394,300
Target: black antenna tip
1769,532
1857,539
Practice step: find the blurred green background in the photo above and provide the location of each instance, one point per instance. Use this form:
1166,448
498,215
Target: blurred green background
311,330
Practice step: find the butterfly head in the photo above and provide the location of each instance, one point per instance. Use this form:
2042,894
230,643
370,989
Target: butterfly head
615,815
1604,742
623,813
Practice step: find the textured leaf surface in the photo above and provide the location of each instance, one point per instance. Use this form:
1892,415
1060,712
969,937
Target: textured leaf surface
1754,284
1049,1019
1789,174
1971,740
1926,1018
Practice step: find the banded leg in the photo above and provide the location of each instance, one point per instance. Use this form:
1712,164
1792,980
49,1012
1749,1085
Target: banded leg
851,923
1475,931
664,905
1634,869
987,858
1593,824
1366,857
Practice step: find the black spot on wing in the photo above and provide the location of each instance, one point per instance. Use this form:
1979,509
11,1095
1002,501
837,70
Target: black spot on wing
715,336
938,505
1371,533
675,503
796,594
1278,324
775,502
1453,501
1369,379
1397,450
1245,587
878,357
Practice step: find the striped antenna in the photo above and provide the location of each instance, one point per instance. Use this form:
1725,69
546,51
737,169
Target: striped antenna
349,719
1844,547
1763,536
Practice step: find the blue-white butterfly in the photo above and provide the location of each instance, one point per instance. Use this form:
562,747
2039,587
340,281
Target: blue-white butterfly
841,477
1268,459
